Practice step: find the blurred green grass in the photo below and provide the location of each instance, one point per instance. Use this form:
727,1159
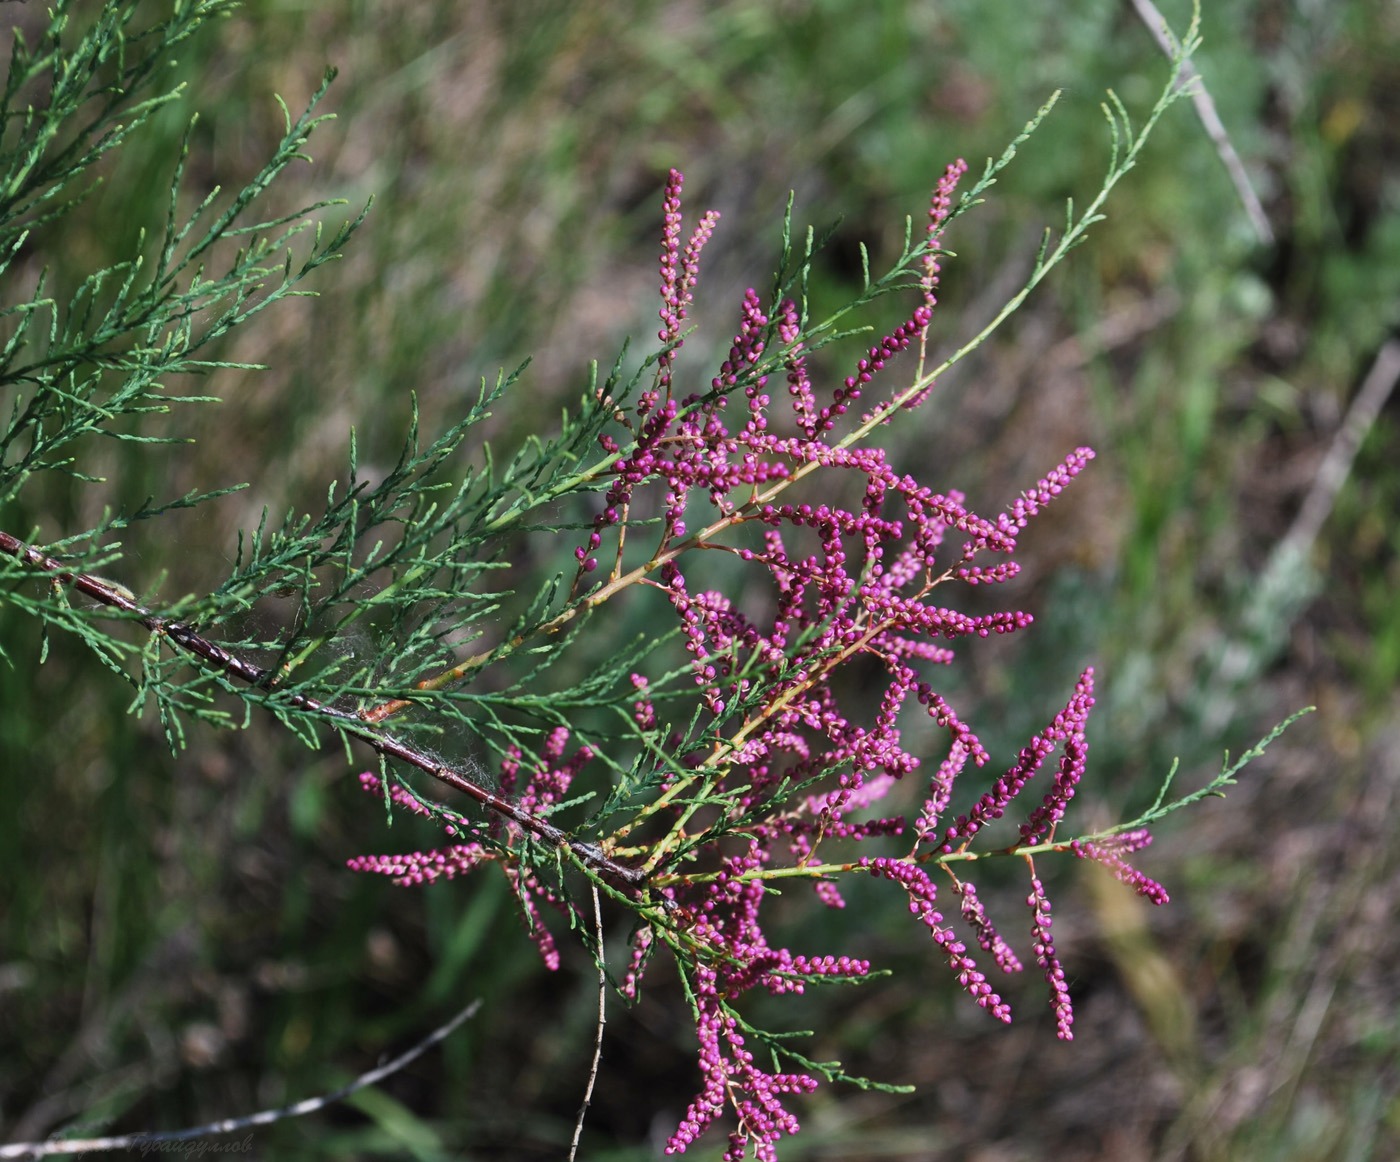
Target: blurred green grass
179,941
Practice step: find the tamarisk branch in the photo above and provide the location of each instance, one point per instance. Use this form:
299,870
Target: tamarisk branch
216,657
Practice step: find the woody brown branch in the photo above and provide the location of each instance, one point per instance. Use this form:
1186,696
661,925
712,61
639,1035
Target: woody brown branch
216,657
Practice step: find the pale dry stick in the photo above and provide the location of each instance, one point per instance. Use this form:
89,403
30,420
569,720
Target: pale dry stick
1336,465
602,1021
1284,581
146,1142
1210,121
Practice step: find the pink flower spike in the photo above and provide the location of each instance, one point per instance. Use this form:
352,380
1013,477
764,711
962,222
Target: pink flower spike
1110,852
988,938
671,305
940,206
1044,492
730,1077
1045,957
679,273
922,903
1070,725
636,965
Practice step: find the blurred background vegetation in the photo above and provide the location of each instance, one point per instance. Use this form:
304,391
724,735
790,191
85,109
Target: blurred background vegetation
178,938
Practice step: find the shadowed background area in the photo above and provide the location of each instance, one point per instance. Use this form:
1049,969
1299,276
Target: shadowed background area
180,941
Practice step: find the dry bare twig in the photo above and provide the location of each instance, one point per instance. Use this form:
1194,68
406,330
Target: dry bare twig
1210,119
146,1141
602,1021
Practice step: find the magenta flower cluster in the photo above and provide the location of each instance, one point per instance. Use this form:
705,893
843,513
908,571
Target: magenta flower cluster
543,785
826,587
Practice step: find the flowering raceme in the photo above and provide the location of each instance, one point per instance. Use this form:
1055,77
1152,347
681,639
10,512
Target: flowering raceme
780,775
